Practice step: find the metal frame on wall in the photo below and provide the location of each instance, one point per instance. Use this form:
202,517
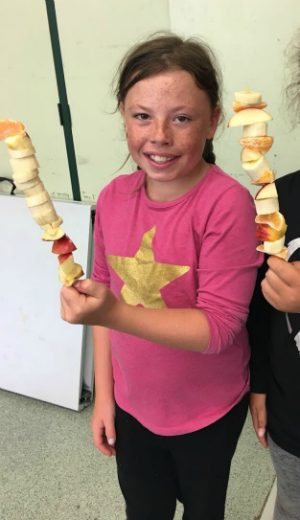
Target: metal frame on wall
63,105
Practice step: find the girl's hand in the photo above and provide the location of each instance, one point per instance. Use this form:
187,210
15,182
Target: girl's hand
259,416
281,286
103,427
88,303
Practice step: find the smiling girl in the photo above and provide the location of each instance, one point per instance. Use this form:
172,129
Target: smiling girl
174,271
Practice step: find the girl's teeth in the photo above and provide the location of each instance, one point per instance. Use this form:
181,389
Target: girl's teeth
159,159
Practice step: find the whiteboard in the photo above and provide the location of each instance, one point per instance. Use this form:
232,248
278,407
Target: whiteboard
41,356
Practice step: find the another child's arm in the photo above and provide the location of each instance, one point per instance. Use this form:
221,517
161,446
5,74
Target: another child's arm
259,331
281,286
103,419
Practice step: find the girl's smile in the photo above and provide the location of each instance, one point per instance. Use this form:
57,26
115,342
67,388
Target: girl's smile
167,120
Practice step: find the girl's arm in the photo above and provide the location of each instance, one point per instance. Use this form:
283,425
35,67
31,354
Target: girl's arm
104,388
226,276
103,419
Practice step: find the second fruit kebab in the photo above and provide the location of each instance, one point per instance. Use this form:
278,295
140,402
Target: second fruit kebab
271,225
26,178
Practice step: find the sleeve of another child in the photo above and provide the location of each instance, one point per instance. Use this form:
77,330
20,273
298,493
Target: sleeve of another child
228,266
258,325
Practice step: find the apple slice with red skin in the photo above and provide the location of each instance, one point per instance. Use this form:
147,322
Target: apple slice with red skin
63,245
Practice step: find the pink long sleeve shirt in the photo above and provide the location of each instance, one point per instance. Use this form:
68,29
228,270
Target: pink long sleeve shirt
197,251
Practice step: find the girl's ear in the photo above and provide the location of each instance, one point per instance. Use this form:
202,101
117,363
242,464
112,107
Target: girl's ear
122,110
214,120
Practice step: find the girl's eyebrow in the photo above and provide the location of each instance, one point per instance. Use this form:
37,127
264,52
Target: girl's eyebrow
147,109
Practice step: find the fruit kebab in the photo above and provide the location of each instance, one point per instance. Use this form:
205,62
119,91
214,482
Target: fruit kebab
271,225
26,178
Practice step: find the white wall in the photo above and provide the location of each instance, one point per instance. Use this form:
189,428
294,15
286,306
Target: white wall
28,90
249,39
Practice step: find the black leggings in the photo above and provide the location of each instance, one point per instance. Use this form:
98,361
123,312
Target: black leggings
154,471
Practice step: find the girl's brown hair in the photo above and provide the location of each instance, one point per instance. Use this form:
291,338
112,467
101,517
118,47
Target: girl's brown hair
167,51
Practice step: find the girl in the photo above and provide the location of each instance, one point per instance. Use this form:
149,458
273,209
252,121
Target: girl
176,261
274,329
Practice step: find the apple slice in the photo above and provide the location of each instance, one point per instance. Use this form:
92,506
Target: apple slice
266,192
63,246
249,116
265,232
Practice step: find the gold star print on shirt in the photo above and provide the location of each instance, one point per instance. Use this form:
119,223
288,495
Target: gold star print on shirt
143,277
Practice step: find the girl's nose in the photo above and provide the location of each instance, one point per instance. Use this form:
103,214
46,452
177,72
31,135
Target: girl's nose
161,133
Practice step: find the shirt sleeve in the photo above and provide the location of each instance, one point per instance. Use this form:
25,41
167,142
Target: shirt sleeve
259,331
100,272
228,266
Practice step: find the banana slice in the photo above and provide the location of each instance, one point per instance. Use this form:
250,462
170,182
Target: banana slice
24,165
35,190
259,129
257,169
248,97
38,199
248,155
20,178
23,186
53,234
19,154
265,206
44,214
272,248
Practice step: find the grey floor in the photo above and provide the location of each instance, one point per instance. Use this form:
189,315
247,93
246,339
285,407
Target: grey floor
50,470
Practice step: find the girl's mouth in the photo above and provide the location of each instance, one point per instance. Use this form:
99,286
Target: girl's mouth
161,160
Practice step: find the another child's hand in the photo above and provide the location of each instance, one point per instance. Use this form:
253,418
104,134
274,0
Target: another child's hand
103,427
259,416
281,286
88,303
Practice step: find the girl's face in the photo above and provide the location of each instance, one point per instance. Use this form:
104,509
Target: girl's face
167,120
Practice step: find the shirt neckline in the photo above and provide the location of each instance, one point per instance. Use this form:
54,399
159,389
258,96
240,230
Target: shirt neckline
188,194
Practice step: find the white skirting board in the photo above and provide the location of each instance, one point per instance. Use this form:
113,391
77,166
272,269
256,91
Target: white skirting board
270,504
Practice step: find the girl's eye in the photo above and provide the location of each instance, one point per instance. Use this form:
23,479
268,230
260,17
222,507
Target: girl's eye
141,117
182,119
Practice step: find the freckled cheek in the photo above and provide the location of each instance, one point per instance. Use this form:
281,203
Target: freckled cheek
135,139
